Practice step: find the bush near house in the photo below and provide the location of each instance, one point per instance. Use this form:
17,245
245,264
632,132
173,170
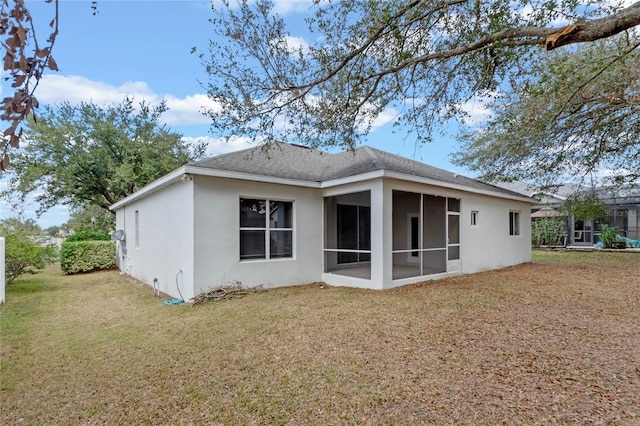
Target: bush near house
611,239
87,256
23,255
546,231
88,236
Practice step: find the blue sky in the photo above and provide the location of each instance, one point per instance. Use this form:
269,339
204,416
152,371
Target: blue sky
142,49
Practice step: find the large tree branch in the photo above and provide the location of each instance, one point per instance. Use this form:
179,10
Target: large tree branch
552,38
596,29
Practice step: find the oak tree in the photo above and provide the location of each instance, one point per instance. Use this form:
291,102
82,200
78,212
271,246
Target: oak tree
579,120
362,59
84,154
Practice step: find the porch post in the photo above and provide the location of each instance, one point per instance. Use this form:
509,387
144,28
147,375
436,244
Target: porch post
378,231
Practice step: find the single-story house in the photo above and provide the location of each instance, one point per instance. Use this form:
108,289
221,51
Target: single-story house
291,215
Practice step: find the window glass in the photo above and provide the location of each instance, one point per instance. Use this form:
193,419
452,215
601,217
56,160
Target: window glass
252,213
281,244
252,245
281,214
137,242
514,223
474,218
453,205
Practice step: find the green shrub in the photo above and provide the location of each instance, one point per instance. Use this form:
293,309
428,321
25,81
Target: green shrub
547,231
23,255
88,236
608,236
87,256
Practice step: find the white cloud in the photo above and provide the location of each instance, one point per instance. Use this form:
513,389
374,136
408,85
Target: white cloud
218,146
284,7
477,109
55,88
188,110
75,89
387,116
296,44
281,7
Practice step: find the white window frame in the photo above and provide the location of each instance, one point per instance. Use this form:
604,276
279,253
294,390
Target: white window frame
137,229
267,230
514,223
474,217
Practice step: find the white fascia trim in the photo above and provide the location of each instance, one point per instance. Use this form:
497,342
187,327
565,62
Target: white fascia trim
164,181
422,180
194,170
459,187
353,179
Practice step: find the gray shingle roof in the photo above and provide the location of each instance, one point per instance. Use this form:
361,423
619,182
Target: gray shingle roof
290,161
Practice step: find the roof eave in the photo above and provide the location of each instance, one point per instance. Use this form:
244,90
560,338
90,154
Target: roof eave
164,181
201,171
459,187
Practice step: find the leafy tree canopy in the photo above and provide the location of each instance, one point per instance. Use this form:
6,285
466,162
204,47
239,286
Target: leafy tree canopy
53,231
21,225
86,155
584,206
582,115
90,218
420,60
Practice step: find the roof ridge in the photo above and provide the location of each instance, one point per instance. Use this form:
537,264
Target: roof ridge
412,160
226,154
375,158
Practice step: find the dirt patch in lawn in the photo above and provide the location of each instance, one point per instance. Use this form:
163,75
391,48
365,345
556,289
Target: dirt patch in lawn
548,342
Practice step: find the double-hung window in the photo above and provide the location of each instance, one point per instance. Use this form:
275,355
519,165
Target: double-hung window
266,229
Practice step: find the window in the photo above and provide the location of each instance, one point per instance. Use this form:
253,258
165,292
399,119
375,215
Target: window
514,223
266,229
137,220
474,218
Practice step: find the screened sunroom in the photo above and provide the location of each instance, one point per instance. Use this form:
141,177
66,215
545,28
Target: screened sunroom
347,247
426,234
424,238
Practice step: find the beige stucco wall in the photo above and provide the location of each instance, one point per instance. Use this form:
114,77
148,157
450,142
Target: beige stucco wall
488,245
217,222
165,239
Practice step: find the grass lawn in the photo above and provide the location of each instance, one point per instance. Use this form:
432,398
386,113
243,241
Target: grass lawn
554,341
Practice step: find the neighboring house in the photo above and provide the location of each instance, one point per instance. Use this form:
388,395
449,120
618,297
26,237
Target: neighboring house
623,210
292,215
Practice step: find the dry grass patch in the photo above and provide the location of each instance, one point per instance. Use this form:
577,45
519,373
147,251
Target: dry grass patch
553,341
